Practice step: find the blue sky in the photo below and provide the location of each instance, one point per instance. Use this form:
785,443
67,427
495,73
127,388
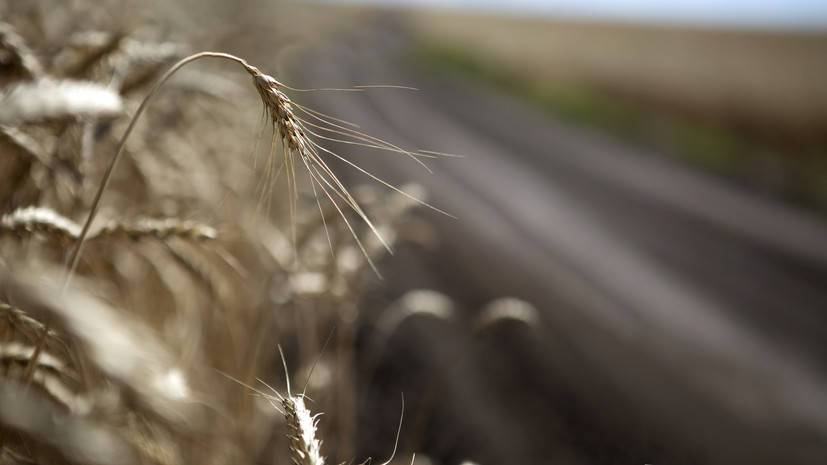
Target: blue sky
810,14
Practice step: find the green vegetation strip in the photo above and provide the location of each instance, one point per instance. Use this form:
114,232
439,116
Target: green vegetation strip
798,177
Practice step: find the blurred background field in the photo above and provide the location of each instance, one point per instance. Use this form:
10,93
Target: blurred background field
632,268
741,102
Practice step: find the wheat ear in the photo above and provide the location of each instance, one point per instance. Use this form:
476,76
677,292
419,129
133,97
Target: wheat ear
47,222
38,220
49,99
158,228
305,449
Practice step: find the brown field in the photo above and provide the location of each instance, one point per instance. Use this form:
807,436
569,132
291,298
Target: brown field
762,81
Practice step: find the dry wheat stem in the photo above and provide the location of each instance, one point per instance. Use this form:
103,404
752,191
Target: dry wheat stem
107,176
74,256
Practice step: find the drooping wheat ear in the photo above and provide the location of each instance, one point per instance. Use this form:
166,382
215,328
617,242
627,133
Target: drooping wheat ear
301,150
293,132
305,449
49,99
18,53
280,108
158,228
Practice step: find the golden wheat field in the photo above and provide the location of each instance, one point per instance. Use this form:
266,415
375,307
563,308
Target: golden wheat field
149,273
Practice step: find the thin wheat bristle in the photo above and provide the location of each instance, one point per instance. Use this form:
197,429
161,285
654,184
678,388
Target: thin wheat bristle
301,150
305,449
49,99
158,228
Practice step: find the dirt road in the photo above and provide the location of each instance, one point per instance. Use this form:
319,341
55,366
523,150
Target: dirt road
683,319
